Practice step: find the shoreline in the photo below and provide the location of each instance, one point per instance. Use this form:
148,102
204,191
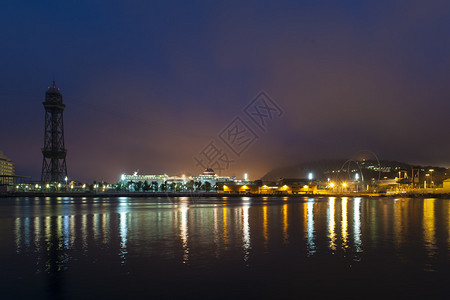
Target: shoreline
215,194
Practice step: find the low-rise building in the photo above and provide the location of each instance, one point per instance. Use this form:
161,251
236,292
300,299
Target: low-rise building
7,170
208,180
159,179
446,184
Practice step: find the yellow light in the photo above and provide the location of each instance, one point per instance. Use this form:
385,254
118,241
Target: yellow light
332,184
305,186
344,184
264,186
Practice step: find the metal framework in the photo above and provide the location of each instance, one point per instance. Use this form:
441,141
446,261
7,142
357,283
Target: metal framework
54,167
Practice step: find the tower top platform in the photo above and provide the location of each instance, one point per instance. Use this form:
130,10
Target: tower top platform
53,95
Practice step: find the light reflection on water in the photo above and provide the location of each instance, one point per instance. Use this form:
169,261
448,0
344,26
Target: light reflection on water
123,231
331,223
57,234
311,248
246,244
187,216
184,231
344,223
357,223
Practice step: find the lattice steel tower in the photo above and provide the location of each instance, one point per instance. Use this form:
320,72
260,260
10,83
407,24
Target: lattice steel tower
54,167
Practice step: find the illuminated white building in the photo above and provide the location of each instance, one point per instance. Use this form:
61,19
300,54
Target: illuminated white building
159,179
210,176
207,176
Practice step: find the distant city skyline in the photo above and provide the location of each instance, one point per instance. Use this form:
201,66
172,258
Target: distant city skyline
147,86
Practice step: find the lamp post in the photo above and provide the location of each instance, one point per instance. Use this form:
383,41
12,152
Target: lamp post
431,177
310,177
331,185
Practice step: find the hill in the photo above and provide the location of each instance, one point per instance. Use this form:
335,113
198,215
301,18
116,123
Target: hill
367,169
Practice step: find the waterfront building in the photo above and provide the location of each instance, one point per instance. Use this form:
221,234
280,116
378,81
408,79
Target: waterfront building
210,176
134,178
446,184
7,170
207,180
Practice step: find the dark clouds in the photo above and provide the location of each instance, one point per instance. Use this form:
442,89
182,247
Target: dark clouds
148,86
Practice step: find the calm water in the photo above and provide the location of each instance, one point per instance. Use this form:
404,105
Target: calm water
212,248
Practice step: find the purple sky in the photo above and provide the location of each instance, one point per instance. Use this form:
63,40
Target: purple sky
147,86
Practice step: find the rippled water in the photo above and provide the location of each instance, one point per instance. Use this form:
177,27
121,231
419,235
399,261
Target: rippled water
272,248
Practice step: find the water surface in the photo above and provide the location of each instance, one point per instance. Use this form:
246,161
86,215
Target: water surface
73,248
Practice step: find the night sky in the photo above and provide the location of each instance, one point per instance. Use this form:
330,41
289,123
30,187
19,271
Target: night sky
147,86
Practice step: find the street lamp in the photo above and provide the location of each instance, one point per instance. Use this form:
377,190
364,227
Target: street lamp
331,185
431,177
